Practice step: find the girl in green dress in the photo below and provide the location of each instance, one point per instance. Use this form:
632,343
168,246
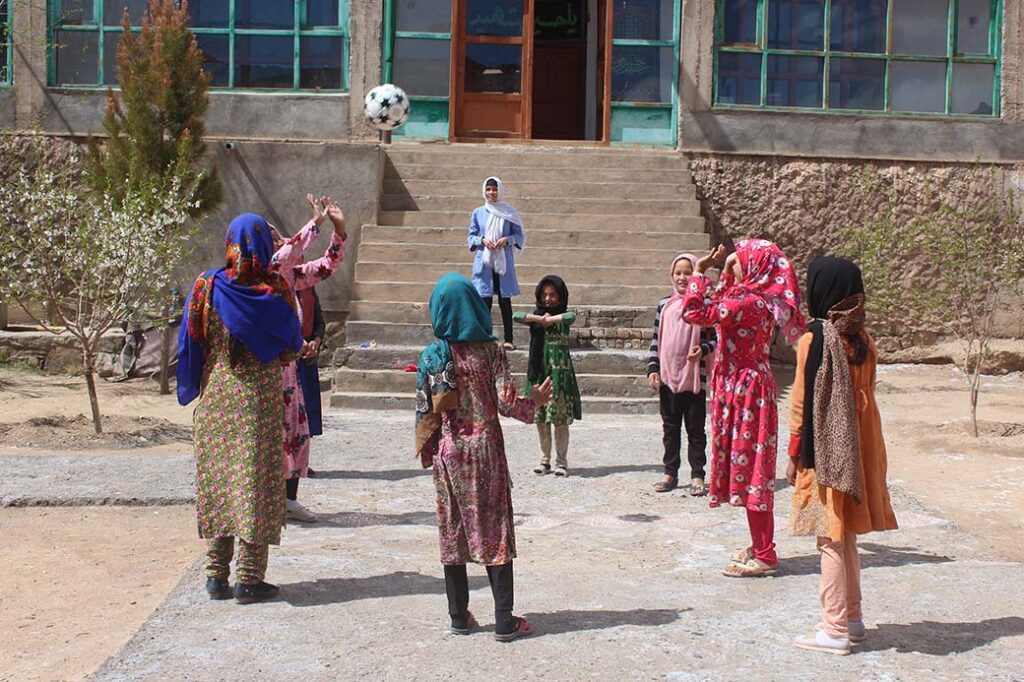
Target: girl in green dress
549,357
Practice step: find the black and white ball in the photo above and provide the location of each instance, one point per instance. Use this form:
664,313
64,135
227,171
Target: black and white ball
386,107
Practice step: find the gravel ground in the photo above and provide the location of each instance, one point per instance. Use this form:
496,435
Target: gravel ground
619,582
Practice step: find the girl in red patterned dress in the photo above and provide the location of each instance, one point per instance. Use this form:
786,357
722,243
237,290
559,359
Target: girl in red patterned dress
758,290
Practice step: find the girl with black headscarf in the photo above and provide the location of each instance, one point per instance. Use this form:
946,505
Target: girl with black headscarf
837,454
549,357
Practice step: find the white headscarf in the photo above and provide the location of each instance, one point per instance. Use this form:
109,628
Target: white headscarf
497,213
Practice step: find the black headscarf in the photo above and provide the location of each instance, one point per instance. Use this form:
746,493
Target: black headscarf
830,281
535,368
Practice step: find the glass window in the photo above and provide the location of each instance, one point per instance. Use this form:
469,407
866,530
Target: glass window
424,16
422,67
5,45
287,45
642,74
783,63
493,68
642,19
494,17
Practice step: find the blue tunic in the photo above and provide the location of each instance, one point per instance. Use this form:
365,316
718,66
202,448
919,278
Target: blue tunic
483,276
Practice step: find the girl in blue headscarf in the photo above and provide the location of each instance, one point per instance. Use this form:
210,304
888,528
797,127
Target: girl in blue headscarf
462,385
240,322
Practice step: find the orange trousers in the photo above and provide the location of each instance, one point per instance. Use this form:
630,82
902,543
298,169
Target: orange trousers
840,584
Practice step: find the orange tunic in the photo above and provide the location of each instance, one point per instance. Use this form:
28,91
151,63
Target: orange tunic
822,511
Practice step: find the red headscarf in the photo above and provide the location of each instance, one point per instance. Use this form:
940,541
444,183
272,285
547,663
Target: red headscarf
769,274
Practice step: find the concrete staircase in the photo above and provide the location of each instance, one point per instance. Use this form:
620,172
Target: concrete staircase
607,221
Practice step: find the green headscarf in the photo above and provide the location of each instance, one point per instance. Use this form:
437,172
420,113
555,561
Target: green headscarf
458,315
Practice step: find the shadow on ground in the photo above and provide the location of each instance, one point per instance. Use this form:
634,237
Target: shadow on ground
389,475
941,639
340,590
600,472
872,556
365,520
571,620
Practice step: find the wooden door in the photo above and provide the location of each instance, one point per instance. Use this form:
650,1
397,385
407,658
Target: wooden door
493,70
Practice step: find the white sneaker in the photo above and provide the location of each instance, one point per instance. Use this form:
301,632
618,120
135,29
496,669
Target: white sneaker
819,641
297,512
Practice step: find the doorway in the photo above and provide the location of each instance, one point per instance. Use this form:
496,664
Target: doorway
559,98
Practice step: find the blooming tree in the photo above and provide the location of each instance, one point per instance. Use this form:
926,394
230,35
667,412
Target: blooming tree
92,259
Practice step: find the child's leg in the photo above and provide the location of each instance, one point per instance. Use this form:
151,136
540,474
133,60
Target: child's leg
694,413
251,566
218,557
562,446
456,585
762,536
544,431
502,587
671,425
851,564
834,614
506,317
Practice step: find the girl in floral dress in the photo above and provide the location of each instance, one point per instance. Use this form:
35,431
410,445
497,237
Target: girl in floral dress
549,357
757,290
287,261
240,324
463,383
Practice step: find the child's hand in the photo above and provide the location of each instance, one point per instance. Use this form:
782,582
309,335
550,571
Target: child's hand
694,355
336,215
318,210
488,244
540,395
791,472
654,380
713,259
501,243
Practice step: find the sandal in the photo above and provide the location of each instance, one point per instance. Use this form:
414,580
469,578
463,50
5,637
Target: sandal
755,568
522,629
509,346
664,486
698,489
561,472
471,622
542,469
742,556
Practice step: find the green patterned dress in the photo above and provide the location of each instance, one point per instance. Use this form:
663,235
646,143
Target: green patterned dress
564,406
239,444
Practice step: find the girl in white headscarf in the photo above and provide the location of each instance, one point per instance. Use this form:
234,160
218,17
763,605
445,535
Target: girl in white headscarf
496,233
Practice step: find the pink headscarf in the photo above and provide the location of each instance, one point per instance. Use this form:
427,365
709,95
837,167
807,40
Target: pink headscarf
676,338
768,273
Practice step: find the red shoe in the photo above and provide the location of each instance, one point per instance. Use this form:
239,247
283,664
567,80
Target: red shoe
522,629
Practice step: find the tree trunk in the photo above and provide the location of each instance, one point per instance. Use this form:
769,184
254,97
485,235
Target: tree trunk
165,361
974,408
90,381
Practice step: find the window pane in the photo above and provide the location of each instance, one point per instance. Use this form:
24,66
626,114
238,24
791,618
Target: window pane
264,61
425,16
77,57
858,25
493,68
320,62
422,67
209,13
794,81
76,12
321,13
642,19
972,26
111,41
263,14
215,57
563,21
972,88
739,22
3,50
919,27
113,11
494,18
796,24
739,78
856,83
919,86
642,74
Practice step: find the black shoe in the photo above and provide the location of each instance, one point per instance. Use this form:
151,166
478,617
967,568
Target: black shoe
310,473
250,594
218,588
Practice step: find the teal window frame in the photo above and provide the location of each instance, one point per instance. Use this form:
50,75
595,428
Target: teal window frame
299,31
951,58
392,34
6,78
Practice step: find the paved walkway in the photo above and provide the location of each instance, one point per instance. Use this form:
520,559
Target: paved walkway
619,582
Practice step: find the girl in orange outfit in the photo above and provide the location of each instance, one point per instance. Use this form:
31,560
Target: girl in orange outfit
837,454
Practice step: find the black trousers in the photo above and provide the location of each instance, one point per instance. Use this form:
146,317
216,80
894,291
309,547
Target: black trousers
505,304
677,410
456,585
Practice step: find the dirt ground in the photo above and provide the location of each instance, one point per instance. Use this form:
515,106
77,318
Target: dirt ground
83,580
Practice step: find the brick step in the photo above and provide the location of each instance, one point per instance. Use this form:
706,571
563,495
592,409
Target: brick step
574,188
678,222
586,361
531,207
496,160
527,274
668,242
553,257
513,175
400,401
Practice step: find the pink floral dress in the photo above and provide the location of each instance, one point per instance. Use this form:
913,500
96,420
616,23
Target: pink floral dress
474,489
288,261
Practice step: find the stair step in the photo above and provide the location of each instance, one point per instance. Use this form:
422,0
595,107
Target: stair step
414,312
454,238
587,361
394,381
451,172
398,401
531,207
582,294
634,190
527,274
550,257
678,222
412,333
494,161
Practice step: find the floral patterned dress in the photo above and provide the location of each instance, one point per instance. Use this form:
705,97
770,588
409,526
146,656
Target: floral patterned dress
744,410
288,261
238,444
474,489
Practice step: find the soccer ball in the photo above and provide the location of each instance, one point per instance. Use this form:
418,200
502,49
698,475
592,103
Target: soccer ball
386,107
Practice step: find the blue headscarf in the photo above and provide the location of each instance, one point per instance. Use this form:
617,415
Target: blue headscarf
257,305
458,315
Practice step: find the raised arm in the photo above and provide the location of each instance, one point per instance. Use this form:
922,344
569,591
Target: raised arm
313,272
291,253
699,306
